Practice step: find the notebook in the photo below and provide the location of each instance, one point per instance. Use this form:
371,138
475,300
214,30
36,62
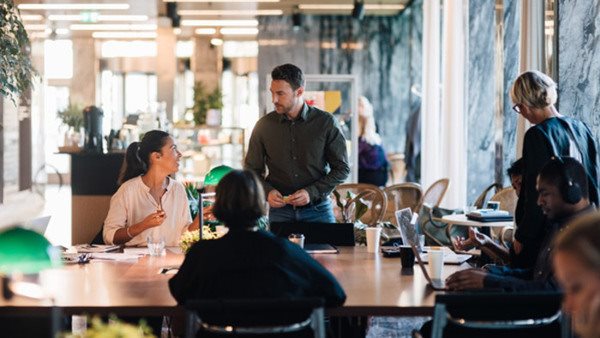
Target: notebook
490,215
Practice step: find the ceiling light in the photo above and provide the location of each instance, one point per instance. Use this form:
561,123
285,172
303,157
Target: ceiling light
32,17
333,7
220,23
239,31
67,6
231,12
205,31
39,27
124,35
227,1
62,31
216,42
113,27
80,17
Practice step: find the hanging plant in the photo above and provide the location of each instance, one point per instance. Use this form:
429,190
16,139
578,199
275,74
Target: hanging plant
16,71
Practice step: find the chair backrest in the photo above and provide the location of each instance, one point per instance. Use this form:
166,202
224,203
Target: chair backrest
435,193
507,198
481,199
400,196
499,314
300,317
371,195
17,322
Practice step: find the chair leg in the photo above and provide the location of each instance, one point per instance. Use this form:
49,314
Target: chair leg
439,321
317,321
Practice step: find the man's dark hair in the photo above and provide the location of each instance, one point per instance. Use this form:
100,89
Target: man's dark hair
290,74
567,174
240,199
516,168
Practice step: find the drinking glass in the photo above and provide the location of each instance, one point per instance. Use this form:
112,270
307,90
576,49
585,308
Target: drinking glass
156,245
297,238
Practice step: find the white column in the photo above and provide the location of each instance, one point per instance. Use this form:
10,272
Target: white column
453,136
532,52
430,111
166,64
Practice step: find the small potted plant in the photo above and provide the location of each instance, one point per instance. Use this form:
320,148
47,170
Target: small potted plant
114,328
72,118
207,105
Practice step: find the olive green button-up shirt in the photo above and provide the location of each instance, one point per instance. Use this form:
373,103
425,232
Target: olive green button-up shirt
307,153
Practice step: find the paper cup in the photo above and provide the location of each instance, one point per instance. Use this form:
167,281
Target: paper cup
436,263
373,237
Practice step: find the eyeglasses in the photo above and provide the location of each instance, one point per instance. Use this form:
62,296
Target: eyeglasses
516,108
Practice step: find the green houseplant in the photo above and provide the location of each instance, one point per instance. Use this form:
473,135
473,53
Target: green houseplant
205,100
72,117
16,71
352,209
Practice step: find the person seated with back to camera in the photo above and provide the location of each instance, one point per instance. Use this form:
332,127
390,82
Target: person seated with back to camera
484,242
148,200
247,262
577,266
563,196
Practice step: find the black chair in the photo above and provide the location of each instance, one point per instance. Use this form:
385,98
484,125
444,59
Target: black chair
301,317
26,322
499,314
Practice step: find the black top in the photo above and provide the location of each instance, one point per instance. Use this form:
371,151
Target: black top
307,153
253,264
541,276
543,141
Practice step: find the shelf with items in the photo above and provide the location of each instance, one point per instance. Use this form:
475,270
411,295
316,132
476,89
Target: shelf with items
204,147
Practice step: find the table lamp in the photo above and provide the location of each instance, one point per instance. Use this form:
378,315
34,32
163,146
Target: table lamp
24,251
216,174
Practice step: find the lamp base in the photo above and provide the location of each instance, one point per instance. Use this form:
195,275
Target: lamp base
6,291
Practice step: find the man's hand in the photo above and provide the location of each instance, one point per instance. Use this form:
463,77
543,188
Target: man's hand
466,279
299,198
275,199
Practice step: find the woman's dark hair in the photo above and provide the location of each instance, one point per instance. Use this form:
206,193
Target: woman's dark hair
137,158
516,168
240,199
290,74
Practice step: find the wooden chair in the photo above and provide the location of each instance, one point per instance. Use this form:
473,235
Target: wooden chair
302,317
369,194
508,201
400,196
435,193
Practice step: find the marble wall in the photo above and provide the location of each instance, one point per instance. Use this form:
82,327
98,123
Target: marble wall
491,134
378,50
579,61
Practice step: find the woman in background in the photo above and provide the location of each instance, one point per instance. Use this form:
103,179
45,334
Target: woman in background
577,268
372,162
149,202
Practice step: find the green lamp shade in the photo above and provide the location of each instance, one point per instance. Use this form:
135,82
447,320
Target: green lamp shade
25,251
216,174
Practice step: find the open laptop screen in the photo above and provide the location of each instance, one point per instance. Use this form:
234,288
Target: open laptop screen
340,234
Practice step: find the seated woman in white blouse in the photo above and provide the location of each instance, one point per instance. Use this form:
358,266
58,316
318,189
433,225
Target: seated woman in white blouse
149,202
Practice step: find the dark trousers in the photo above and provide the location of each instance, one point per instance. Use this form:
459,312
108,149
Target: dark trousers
377,177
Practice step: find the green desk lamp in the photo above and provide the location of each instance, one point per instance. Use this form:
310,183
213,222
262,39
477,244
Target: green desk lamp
216,174
24,251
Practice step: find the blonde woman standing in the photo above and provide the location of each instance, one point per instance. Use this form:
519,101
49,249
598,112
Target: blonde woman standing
372,161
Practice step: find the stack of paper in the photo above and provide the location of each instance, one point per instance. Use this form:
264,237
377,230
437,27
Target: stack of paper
93,248
113,256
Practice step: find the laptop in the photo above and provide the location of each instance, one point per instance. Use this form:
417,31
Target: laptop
407,221
340,234
38,225
436,284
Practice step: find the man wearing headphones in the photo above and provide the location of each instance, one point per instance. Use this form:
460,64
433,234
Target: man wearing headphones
563,196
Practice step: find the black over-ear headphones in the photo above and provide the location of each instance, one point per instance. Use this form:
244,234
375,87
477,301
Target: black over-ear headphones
570,190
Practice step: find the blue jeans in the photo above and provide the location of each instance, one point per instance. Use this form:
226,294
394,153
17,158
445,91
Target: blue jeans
315,213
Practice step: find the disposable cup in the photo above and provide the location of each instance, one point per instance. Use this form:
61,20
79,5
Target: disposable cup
373,238
436,263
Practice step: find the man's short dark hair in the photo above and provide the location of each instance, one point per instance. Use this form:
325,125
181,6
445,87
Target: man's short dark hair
516,168
290,74
559,171
240,199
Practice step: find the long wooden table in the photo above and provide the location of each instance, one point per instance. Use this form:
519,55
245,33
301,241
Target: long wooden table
374,285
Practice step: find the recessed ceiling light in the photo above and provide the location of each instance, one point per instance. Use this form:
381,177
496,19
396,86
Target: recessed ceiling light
239,31
32,17
62,31
228,1
216,41
220,23
113,27
344,7
37,27
67,6
124,35
79,17
205,31
231,12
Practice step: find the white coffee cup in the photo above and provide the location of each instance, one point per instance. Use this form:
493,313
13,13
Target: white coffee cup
436,263
373,238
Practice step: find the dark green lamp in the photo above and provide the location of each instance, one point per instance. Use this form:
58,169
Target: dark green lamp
216,174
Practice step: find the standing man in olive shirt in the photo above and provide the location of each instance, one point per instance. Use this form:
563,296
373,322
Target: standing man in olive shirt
298,151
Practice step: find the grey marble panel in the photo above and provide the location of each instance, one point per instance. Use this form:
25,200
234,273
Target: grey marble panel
511,71
481,97
381,51
579,61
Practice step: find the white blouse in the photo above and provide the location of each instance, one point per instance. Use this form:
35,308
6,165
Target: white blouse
133,202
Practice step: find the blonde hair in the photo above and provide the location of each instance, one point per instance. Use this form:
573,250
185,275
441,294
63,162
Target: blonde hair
582,239
369,133
534,89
